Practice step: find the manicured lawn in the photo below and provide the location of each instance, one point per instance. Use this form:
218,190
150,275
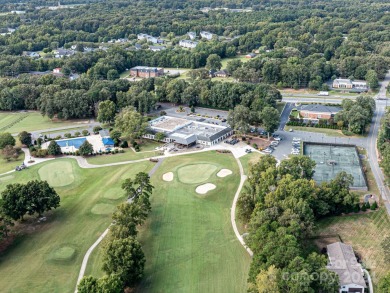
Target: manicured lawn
365,232
15,122
326,131
239,57
249,158
188,239
149,145
48,257
9,166
128,155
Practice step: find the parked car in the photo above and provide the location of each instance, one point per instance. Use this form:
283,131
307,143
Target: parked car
275,143
248,151
268,150
291,130
278,138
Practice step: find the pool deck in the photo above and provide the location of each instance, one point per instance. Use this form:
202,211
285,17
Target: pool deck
95,140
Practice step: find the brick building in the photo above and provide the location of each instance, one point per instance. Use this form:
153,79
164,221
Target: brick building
317,111
146,72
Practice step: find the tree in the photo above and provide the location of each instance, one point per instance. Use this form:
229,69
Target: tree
112,74
25,138
384,284
213,62
267,281
125,258
110,284
5,224
54,149
86,148
238,118
159,136
6,139
372,79
130,123
270,118
298,167
88,284
126,218
9,152
30,198
106,111
139,188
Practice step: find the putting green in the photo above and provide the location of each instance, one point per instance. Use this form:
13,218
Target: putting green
103,209
64,253
114,193
195,173
59,173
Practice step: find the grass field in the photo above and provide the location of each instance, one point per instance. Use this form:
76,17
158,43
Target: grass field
239,57
326,131
15,122
365,232
48,257
249,158
128,155
188,239
9,166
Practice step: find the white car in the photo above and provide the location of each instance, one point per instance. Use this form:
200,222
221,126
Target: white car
275,143
278,138
267,151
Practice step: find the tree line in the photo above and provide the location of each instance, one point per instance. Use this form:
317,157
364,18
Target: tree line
123,258
281,205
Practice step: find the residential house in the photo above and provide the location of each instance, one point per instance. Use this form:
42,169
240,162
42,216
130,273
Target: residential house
146,72
150,38
340,83
57,70
157,48
222,73
206,35
61,53
188,44
343,262
192,35
137,47
317,111
250,55
30,54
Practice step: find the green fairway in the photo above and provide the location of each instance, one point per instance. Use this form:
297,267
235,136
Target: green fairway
47,258
195,173
188,239
57,173
15,122
128,155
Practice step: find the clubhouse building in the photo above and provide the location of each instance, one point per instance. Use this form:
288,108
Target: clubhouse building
187,132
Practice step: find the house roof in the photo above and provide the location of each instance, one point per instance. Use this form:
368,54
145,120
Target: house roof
342,81
108,141
317,108
182,138
223,71
343,262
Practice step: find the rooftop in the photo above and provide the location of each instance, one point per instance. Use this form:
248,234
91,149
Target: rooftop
320,108
343,262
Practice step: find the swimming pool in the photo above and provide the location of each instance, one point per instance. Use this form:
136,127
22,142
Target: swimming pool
75,142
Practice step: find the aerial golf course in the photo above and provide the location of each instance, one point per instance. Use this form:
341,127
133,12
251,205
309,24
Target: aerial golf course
188,239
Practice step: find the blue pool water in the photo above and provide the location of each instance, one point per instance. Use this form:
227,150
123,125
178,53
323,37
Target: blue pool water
76,142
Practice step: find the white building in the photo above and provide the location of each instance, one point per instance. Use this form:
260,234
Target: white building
342,261
187,132
150,38
206,35
188,44
192,35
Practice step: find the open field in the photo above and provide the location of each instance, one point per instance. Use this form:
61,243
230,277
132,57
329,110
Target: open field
239,57
47,258
365,232
15,122
9,166
249,158
188,240
326,131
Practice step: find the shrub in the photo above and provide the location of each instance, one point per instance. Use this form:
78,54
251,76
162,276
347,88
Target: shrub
85,132
356,208
364,208
96,129
77,133
67,135
116,151
124,144
374,206
255,145
163,113
137,149
58,137
121,151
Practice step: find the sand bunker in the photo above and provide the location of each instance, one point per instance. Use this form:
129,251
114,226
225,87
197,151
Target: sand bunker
204,188
224,173
168,176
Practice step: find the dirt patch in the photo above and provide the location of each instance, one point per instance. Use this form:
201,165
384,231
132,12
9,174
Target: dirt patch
262,143
168,176
204,188
224,172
